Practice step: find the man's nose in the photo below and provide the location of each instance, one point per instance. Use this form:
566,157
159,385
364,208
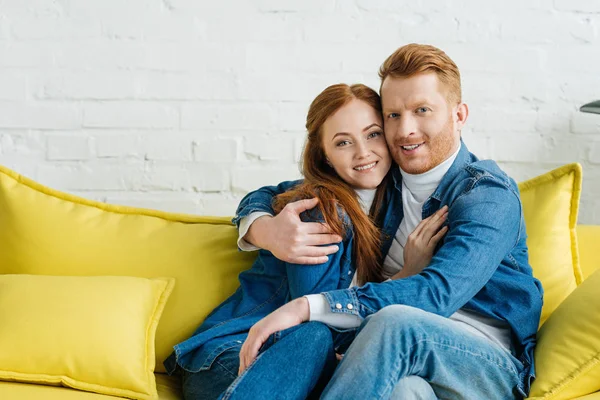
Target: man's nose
406,126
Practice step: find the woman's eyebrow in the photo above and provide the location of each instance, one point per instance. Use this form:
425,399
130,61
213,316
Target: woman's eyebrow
370,126
340,134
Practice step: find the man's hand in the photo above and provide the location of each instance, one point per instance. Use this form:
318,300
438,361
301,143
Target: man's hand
291,314
422,242
290,239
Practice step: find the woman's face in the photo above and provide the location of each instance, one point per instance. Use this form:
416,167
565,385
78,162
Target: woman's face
355,146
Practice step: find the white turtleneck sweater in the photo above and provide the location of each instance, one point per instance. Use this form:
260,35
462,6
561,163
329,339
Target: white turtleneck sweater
416,189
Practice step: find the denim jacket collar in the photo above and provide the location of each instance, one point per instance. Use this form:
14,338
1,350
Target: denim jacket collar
463,158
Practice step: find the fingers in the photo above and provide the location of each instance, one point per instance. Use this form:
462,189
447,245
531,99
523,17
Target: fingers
248,353
303,205
434,223
432,219
310,260
322,239
316,228
438,236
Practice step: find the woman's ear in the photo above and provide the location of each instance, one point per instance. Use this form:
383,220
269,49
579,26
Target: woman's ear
328,162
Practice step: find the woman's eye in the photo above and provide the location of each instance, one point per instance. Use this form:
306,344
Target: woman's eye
343,143
373,135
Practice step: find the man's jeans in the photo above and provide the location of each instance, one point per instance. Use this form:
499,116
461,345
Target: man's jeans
406,353
296,366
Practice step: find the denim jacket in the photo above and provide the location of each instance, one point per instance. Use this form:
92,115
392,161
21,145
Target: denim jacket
266,286
481,266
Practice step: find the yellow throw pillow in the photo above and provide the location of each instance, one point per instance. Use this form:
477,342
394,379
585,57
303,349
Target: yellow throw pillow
550,206
47,232
90,333
567,357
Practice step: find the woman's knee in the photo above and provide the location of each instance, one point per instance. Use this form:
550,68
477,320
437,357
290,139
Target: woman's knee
317,333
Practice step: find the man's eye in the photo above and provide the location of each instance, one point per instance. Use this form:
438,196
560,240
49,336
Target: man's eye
393,115
421,110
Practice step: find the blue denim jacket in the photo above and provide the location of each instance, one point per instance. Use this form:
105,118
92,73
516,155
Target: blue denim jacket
266,286
482,265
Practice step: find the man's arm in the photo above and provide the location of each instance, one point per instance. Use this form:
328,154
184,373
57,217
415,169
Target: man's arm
484,225
284,235
261,200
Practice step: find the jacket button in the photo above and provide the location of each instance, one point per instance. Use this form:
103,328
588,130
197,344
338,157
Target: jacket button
349,307
338,306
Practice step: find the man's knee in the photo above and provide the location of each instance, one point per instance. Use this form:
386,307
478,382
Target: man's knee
398,313
413,387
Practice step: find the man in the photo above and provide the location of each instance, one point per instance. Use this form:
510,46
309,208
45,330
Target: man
465,326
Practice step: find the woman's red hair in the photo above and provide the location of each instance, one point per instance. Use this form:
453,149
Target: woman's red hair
321,181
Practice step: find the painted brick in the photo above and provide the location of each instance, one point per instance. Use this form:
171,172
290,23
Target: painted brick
186,105
48,116
68,147
594,155
112,144
585,123
209,178
215,150
245,179
130,115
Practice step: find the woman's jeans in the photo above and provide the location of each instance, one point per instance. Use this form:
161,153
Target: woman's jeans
296,366
400,353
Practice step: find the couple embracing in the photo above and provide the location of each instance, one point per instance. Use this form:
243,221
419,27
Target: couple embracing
396,269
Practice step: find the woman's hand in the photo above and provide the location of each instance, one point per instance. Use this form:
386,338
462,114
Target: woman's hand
421,244
293,313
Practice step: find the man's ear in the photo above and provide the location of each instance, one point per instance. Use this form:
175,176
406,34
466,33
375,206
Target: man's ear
461,114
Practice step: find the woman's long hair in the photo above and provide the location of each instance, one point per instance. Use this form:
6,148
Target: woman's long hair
321,181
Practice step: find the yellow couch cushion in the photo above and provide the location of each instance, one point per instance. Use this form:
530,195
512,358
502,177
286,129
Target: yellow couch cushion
168,387
90,333
567,356
46,232
550,206
588,240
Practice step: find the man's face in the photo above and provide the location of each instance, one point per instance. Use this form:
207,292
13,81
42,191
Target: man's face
421,128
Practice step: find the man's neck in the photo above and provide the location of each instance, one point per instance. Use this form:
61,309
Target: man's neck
429,180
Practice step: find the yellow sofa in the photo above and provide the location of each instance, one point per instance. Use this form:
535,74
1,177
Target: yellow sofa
47,232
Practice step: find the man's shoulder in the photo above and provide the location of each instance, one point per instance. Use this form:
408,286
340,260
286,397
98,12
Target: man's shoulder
488,169
478,173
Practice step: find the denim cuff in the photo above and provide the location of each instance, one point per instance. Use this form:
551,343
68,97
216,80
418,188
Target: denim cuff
249,209
343,301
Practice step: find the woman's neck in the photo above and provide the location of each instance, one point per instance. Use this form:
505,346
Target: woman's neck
365,198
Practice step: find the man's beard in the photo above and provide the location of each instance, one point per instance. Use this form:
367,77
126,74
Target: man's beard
440,148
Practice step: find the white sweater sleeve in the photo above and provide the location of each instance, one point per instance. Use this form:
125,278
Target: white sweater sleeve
320,311
245,223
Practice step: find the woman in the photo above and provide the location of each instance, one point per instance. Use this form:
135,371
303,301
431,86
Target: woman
346,166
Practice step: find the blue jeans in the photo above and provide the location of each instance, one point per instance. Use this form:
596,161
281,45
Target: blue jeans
296,366
403,352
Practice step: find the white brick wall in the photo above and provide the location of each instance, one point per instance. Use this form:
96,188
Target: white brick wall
186,105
